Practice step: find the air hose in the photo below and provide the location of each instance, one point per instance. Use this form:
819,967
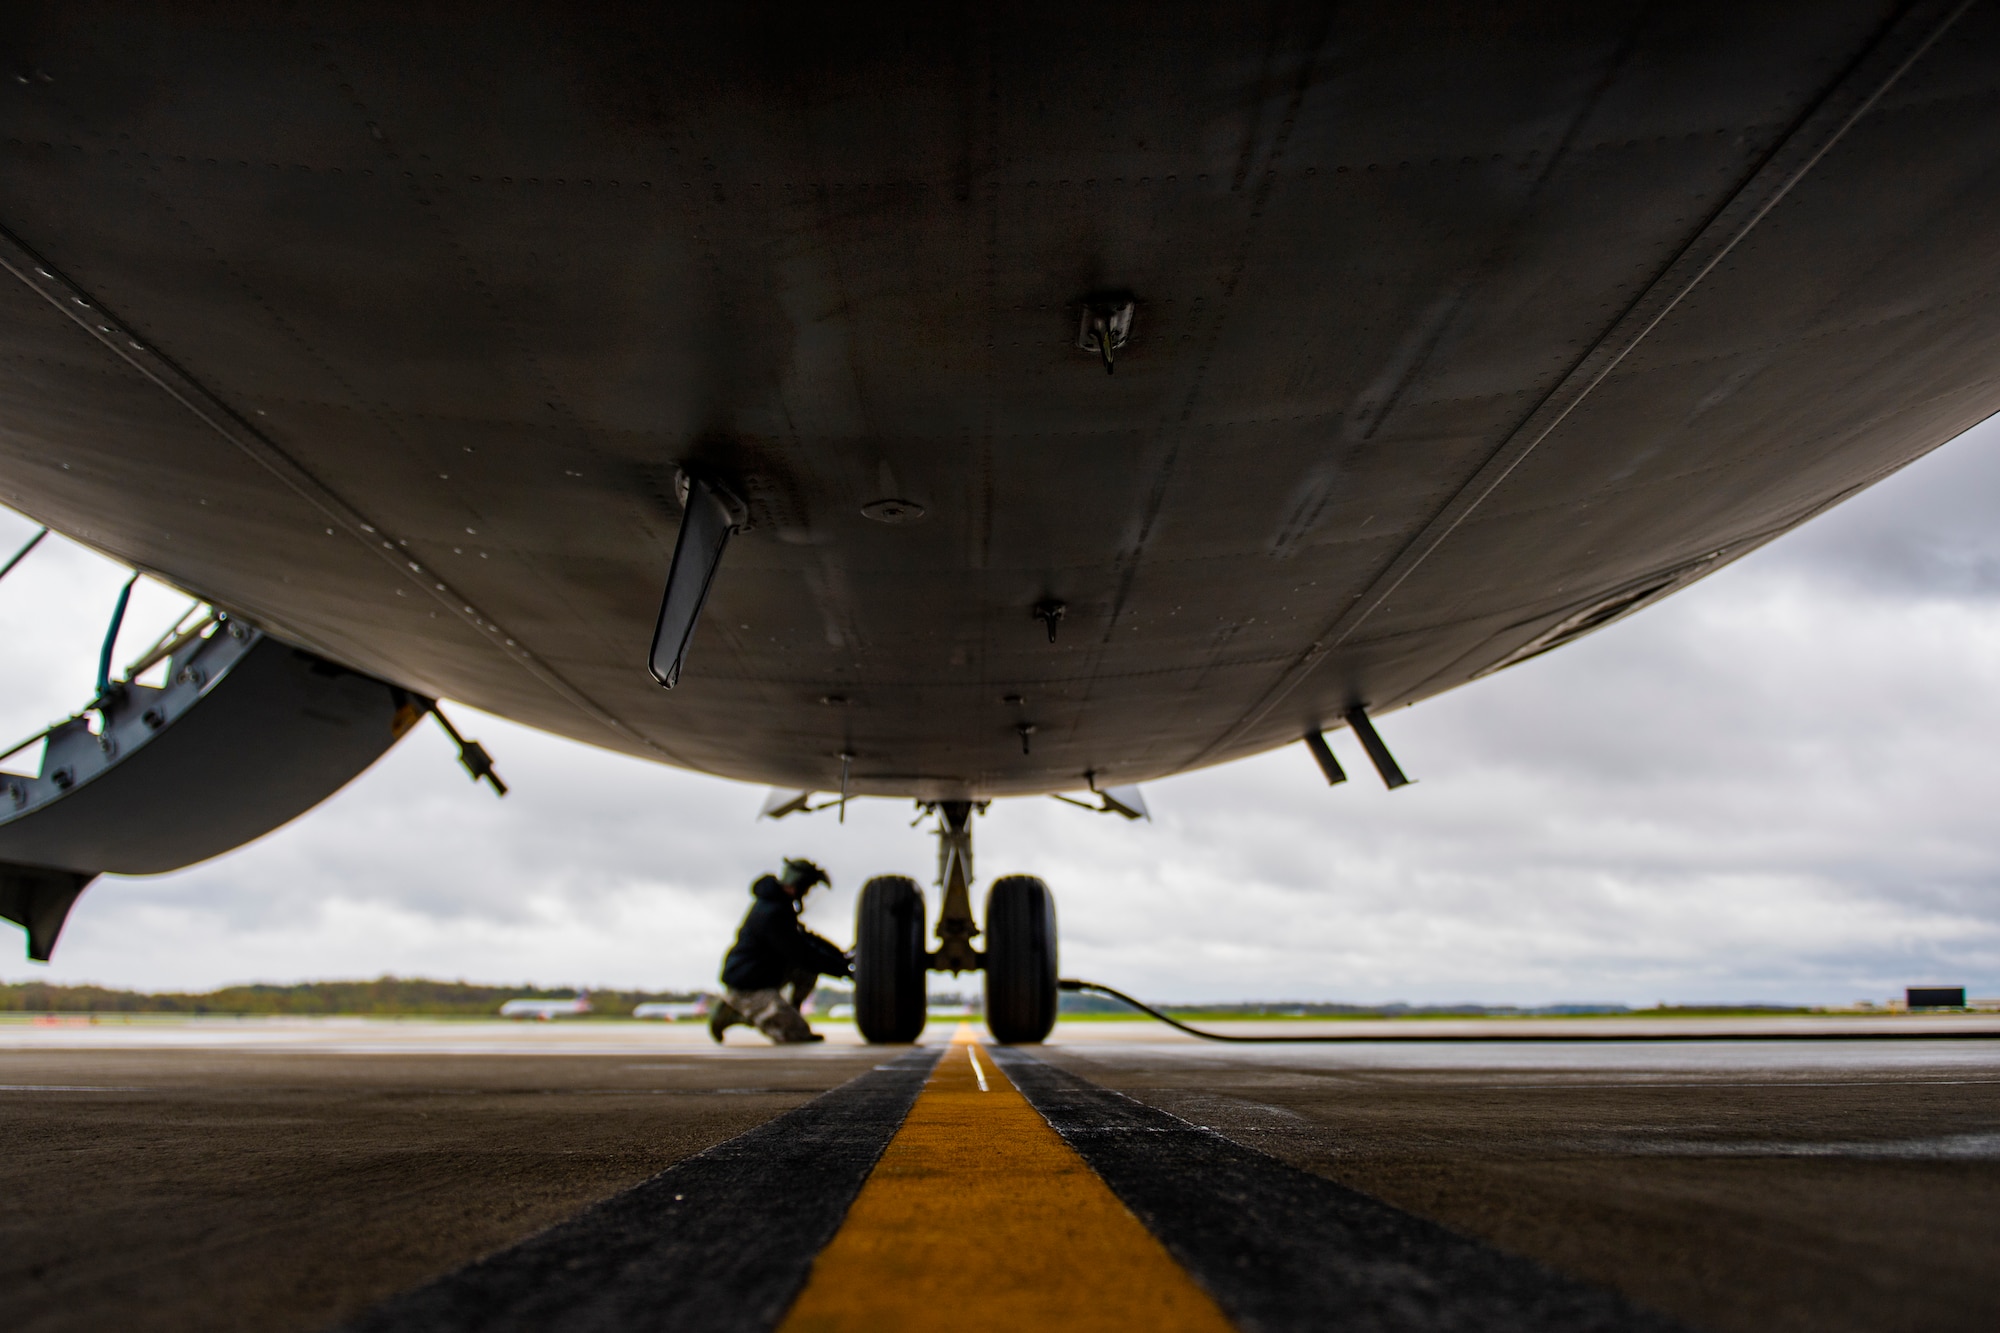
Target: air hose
1071,984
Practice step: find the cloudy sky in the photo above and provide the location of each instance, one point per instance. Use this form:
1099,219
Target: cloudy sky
1779,785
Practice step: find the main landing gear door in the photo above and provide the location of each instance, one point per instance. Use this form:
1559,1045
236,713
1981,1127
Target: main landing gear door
247,734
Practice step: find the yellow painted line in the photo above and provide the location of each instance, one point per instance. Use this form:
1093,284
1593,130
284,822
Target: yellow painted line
980,1217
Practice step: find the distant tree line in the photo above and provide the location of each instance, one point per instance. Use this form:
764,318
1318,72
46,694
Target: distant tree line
384,996
417,997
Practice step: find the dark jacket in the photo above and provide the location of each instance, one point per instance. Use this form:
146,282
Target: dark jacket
773,945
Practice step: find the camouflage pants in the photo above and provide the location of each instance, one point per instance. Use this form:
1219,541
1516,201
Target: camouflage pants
773,1015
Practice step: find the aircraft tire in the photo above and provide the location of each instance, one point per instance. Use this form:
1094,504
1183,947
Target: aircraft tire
889,960
1020,959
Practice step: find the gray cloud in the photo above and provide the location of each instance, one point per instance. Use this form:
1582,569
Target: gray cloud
1927,533
1777,785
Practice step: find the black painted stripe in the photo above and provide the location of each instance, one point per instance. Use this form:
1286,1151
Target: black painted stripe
1281,1249
719,1243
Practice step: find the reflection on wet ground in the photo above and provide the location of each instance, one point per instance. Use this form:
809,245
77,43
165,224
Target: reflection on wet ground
276,1176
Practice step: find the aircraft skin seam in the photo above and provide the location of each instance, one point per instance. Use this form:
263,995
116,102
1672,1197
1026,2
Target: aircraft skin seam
1447,310
43,278
1080,677
1904,40
1681,576
1174,432
423,195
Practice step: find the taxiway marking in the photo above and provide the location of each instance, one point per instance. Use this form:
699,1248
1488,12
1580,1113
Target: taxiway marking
717,1244
977,1194
1289,1252
972,1054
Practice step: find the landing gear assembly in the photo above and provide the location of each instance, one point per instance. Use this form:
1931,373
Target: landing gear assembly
889,960
1019,961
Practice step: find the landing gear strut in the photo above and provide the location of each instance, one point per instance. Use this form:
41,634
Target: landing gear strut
1019,960
956,927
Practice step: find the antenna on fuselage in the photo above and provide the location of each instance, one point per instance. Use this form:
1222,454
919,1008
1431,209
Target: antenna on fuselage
1357,721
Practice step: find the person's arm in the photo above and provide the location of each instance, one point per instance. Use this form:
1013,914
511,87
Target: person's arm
827,956
805,949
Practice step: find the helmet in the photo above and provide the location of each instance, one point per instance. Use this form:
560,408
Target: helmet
802,875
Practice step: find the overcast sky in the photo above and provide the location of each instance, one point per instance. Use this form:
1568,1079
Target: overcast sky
1779,785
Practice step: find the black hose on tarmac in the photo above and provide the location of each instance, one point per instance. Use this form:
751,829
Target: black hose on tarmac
1071,984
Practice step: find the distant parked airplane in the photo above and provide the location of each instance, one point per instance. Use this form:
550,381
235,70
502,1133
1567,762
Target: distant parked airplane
672,1011
544,1010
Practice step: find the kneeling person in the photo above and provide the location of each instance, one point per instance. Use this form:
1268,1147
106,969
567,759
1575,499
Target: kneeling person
773,950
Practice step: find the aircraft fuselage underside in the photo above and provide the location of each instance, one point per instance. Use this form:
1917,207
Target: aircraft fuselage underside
1437,338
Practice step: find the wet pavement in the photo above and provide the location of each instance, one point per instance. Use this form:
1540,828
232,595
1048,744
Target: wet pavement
1742,1187
288,1176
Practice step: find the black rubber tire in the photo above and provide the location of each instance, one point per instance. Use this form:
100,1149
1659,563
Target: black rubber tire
1020,959
889,980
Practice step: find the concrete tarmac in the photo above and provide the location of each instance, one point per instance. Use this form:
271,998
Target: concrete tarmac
229,1175
1753,1187
222,1189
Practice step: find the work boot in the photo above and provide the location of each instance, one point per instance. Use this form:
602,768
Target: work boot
722,1018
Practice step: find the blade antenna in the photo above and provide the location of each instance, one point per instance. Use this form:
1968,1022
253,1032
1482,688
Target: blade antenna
1323,756
1378,753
